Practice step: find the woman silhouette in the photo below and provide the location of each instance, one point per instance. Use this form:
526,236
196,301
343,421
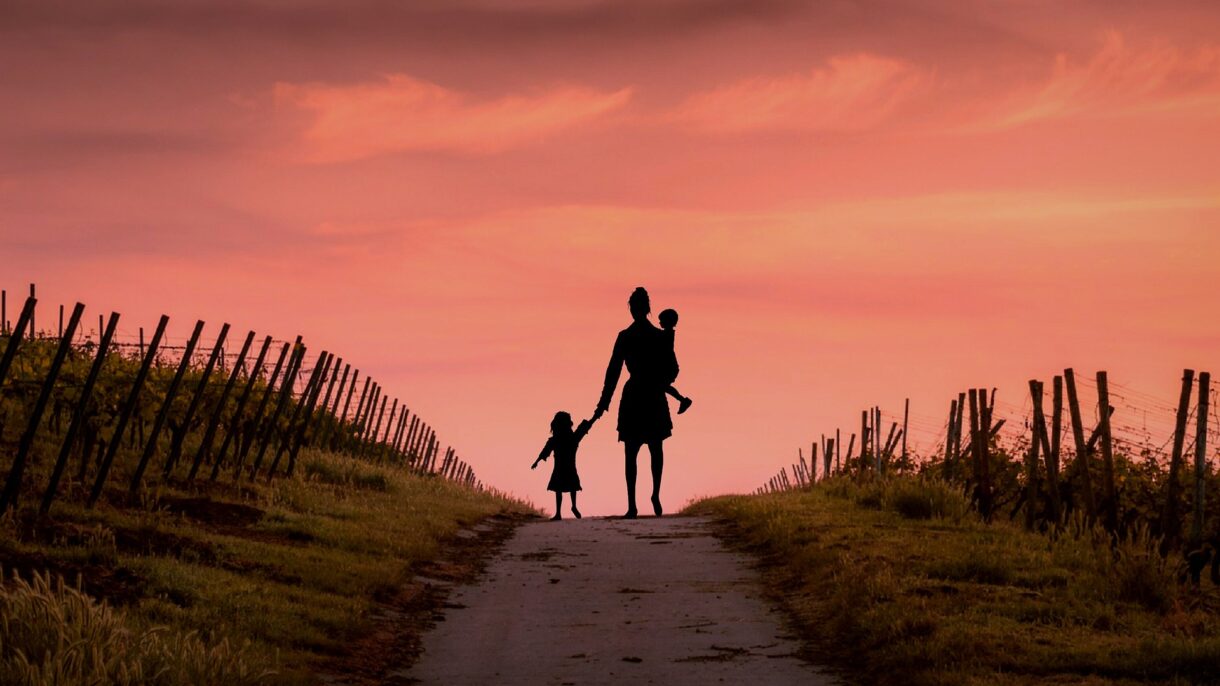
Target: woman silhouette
643,411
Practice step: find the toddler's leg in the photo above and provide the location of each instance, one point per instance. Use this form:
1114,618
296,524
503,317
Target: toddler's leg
683,401
558,504
575,511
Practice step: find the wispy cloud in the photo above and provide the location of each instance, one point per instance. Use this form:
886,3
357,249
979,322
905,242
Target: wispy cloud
850,93
1120,78
401,113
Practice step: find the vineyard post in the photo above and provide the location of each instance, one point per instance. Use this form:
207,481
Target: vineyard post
341,424
33,326
1052,466
78,415
3,312
209,432
877,448
402,422
235,426
328,429
949,438
959,425
61,322
330,387
251,429
1031,457
851,446
863,443
804,466
369,431
1171,524
407,444
813,459
375,428
906,415
1056,449
133,398
364,423
293,427
1196,533
299,438
1107,450
838,451
832,445
390,423
353,425
13,485
171,392
14,340
987,430
175,448
974,440
271,426
1082,449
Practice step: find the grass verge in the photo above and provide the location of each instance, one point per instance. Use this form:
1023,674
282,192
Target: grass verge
273,581
899,583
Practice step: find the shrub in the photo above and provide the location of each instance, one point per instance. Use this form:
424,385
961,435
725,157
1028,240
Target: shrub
924,499
339,472
55,634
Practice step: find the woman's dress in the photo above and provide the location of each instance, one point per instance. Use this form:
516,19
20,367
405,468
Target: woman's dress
643,411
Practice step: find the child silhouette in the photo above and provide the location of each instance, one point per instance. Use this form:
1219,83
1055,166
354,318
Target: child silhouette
563,442
669,320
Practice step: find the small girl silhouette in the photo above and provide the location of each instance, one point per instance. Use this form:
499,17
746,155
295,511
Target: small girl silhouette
563,442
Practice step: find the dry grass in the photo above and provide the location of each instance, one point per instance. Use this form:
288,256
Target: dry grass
898,583
292,570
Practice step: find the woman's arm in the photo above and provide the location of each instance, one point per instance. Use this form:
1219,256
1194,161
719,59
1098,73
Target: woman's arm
613,370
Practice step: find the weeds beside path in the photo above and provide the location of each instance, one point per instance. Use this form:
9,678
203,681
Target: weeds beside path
292,574
900,583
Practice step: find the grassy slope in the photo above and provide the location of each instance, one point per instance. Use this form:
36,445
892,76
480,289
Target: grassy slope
294,567
901,584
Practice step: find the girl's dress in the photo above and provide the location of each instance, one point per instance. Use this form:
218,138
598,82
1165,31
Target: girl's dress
564,478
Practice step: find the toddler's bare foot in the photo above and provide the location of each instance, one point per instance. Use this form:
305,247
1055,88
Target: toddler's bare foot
684,405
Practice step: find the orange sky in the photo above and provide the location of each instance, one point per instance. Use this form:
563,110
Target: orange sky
849,203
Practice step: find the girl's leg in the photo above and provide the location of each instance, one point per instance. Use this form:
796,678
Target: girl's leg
575,511
558,504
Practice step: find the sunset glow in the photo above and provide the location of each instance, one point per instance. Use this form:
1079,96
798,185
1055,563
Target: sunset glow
849,204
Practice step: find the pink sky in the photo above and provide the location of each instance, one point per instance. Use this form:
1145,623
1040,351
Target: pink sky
848,203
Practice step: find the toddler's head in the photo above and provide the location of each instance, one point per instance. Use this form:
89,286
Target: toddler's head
668,319
561,424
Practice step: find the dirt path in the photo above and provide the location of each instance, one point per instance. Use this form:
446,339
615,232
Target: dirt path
650,601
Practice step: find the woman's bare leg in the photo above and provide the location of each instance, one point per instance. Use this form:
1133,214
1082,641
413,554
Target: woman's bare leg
657,452
574,510
630,452
558,504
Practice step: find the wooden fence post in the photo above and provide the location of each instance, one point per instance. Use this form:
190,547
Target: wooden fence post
299,438
271,426
1107,451
12,486
78,415
351,435
832,444
1031,456
33,327
1052,466
838,451
175,448
163,413
1082,449
949,439
236,431
906,415
1171,522
209,432
1196,534
864,454
116,439
328,429
250,428
16,338
312,386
